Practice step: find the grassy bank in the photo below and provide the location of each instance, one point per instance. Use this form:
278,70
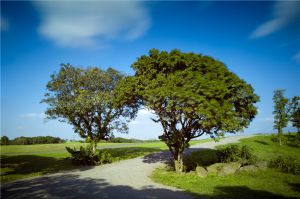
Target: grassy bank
23,161
269,183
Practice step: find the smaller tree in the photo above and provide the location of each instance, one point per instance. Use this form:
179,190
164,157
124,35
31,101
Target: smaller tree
89,100
4,140
280,112
294,110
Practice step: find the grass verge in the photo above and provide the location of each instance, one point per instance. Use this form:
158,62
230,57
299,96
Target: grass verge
269,183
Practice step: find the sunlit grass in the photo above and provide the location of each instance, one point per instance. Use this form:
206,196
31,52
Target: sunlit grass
23,161
269,183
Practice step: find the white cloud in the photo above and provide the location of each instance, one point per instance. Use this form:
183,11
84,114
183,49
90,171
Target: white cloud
92,23
4,25
296,57
32,115
284,13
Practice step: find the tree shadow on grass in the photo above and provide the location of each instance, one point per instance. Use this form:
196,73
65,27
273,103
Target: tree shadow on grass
243,192
261,142
295,186
71,186
28,164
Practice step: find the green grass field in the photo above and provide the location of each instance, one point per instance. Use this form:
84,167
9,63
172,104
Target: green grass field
269,183
23,161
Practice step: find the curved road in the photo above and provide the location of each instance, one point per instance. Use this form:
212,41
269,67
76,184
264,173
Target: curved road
124,179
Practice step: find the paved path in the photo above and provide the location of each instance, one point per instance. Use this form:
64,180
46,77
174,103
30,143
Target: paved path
124,179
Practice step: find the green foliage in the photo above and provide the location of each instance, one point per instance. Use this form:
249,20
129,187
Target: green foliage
37,140
191,95
229,154
279,138
4,140
247,156
294,107
232,153
286,164
280,112
235,153
201,158
86,156
88,100
124,140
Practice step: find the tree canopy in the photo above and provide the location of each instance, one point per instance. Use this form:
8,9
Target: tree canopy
4,140
191,95
88,99
294,109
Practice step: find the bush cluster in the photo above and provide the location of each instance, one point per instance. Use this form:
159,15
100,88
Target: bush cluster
201,158
232,153
287,164
86,156
290,139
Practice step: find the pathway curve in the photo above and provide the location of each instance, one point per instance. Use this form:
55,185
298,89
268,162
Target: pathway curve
124,179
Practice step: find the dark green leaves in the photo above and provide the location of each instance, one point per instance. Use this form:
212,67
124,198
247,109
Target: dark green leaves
193,94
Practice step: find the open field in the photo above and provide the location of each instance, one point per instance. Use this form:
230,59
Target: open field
23,161
269,183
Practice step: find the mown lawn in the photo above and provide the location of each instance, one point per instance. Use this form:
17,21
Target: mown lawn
269,183
23,161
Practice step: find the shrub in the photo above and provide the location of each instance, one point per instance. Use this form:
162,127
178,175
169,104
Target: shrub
85,156
284,139
234,153
201,158
105,157
229,154
247,157
288,164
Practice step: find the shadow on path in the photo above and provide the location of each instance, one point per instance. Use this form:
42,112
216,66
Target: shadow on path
166,156
159,157
71,186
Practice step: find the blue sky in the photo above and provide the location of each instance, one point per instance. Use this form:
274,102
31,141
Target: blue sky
259,41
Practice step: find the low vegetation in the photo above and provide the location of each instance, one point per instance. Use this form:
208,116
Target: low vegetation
23,161
279,181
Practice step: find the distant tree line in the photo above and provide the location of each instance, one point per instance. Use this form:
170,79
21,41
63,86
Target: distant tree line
113,139
31,140
124,140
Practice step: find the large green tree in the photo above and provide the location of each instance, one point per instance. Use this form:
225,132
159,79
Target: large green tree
88,99
191,95
294,109
280,112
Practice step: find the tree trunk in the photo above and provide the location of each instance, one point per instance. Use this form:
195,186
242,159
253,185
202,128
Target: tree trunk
280,135
94,146
178,162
